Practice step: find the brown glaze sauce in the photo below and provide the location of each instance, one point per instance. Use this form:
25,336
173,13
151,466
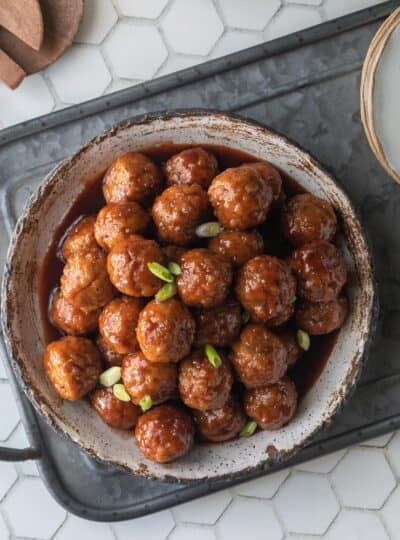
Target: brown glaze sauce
307,370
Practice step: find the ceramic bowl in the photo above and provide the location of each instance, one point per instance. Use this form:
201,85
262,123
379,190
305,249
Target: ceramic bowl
33,235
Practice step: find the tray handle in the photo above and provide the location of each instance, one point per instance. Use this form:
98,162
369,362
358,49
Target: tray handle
19,454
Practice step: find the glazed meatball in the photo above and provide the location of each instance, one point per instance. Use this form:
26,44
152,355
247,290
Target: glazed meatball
318,318
218,326
173,253
117,324
109,356
307,218
178,211
114,412
201,385
270,175
285,315
265,287
205,278
237,246
320,270
164,433
73,365
191,166
133,177
85,283
273,406
240,198
294,351
221,424
115,222
79,238
259,356
127,266
70,319
165,331
143,378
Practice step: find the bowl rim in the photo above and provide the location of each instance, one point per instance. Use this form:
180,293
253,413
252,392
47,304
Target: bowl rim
33,394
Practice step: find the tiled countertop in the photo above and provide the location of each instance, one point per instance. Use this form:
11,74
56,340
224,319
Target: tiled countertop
349,495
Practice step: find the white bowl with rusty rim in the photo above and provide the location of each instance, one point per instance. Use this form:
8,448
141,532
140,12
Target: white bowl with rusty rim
34,233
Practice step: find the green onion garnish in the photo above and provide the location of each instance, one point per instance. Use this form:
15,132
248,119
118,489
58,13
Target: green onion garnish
167,291
249,429
303,340
110,376
146,403
120,392
174,268
212,355
208,230
160,271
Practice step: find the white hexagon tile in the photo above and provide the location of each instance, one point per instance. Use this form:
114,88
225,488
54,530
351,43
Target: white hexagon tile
349,495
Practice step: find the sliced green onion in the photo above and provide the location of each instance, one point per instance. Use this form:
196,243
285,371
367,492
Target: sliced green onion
245,317
221,314
167,291
213,357
146,403
249,429
120,392
110,376
174,268
303,340
208,230
160,271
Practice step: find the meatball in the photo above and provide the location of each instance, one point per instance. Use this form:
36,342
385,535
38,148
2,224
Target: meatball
70,319
320,270
73,365
178,211
109,356
127,266
117,324
294,351
318,318
165,331
259,356
164,433
205,278
114,412
133,177
270,175
191,166
143,378
221,424
273,406
201,385
218,326
265,287
85,283
237,246
307,218
79,238
283,317
115,222
240,198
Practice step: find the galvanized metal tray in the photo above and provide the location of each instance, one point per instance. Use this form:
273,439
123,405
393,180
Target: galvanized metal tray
306,86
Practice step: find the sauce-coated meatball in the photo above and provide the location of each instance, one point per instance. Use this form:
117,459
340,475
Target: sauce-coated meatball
114,412
205,278
109,356
201,385
318,318
165,331
240,198
70,319
273,406
73,365
79,238
178,211
218,326
265,287
270,175
115,222
191,166
283,317
127,266
259,356
307,218
294,351
237,246
221,424
320,270
85,283
117,324
132,177
143,378
164,433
